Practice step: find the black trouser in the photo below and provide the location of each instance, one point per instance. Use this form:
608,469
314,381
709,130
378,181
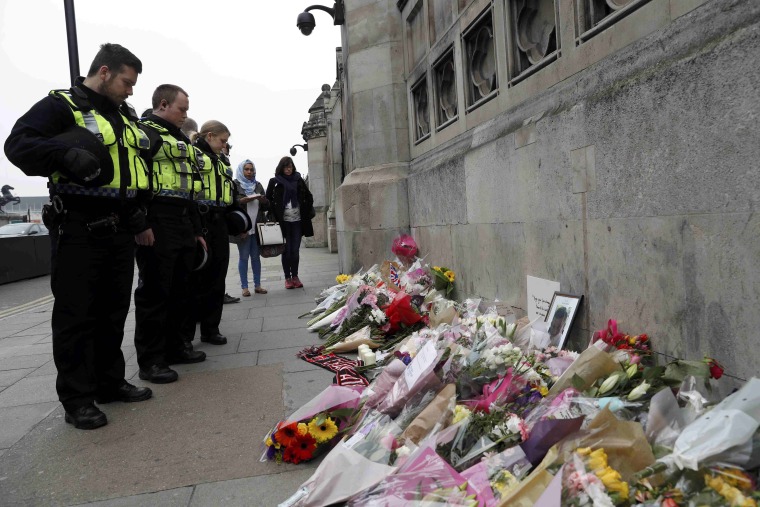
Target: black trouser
162,301
92,284
208,283
291,231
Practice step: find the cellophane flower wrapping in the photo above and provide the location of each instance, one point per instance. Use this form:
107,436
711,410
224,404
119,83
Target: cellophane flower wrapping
425,479
419,376
482,432
404,247
497,474
435,416
355,464
313,428
383,383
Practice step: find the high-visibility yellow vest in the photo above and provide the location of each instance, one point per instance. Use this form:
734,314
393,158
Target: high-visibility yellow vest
129,176
174,165
217,182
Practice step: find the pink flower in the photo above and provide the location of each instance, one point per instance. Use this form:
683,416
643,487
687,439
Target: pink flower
635,359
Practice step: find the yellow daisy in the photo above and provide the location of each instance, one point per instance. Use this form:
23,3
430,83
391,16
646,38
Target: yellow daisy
323,432
450,275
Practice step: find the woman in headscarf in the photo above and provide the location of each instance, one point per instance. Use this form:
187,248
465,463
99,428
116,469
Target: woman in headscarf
251,197
293,207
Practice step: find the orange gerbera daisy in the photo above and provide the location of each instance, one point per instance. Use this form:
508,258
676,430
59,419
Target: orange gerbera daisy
287,434
304,447
291,456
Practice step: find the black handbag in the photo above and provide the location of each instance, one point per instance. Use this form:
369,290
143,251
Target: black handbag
271,250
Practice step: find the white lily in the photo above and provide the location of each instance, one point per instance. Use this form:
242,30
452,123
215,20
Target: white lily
639,391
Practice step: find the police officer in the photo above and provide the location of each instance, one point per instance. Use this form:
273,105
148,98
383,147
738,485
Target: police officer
213,202
87,142
166,250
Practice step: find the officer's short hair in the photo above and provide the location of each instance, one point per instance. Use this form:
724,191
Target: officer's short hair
167,92
114,56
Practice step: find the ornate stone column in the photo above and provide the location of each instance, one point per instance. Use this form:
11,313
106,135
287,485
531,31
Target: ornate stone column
371,205
314,132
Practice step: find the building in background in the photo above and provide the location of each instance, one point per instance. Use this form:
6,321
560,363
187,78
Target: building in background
609,145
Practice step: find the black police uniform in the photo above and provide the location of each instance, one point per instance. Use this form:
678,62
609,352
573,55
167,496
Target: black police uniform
92,244
209,283
162,302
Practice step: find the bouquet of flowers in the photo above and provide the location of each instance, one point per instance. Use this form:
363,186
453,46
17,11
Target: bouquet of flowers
496,475
313,428
479,432
444,279
587,479
425,479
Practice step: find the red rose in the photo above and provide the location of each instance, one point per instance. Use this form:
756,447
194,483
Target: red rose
716,370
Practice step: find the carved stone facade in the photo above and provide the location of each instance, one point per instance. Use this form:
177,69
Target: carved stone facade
610,145
325,153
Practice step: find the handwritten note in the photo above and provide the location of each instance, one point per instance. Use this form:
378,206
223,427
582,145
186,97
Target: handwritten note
424,358
540,294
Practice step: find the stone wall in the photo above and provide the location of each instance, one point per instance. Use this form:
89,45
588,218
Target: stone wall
634,182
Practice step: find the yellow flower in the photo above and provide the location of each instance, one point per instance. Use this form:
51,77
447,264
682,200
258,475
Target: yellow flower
450,275
597,460
436,268
323,432
341,278
460,413
733,495
543,390
302,429
269,442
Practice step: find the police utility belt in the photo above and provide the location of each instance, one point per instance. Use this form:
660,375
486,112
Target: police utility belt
55,214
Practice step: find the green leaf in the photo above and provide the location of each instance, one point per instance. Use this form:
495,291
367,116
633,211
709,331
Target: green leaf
677,371
653,373
578,382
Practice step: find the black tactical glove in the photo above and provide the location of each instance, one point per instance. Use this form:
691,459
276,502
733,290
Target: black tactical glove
81,164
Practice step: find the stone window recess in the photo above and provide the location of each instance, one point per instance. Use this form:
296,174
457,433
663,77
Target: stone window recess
416,41
480,51
445,90
534,37
441,16
421,111
593,16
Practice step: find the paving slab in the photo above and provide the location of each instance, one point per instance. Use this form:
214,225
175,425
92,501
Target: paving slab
277,340
280,322
16,422
303,386
286,357
282,310
178,497
263,490
17,363
28,391
10,377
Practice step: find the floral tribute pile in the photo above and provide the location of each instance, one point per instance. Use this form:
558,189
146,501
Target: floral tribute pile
465,407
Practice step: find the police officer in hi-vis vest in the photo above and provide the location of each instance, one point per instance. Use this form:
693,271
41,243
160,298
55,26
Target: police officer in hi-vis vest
87,142
166,250
213,202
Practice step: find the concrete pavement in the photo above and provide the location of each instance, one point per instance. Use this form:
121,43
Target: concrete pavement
197,442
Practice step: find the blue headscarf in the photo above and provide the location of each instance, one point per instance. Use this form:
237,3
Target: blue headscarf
249,186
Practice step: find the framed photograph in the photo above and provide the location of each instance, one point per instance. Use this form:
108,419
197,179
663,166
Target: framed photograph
560,317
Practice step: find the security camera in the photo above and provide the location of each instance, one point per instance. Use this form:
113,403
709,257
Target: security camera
306,23
293,150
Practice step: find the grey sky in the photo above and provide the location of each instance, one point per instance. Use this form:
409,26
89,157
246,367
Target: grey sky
242,63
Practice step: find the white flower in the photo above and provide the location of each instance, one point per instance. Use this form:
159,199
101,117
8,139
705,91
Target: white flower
377,316
513,423
639,391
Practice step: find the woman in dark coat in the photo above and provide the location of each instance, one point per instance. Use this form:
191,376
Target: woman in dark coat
293,207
